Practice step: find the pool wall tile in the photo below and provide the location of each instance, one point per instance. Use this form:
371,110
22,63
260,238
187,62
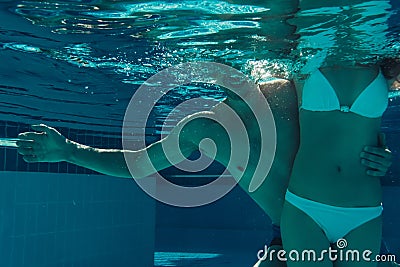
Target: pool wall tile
51,222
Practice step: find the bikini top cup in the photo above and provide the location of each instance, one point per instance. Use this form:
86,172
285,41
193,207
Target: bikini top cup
319,95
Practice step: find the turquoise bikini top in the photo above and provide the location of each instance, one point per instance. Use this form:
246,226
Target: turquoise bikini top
319,95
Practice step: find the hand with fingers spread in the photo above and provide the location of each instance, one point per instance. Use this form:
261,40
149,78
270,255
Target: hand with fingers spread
44,145
377,159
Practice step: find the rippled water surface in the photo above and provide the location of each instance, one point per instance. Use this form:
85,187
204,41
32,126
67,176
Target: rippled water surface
77,63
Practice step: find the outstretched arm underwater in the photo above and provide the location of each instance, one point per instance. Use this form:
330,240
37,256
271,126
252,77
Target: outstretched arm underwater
48,145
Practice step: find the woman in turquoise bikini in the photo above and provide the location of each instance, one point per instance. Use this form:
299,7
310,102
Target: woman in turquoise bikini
331,201
330,196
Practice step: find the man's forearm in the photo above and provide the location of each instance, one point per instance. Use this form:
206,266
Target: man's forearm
48,145
105,161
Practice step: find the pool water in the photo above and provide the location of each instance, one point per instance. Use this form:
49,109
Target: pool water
76,64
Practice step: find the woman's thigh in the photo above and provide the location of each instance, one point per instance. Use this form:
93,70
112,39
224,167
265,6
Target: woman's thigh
303,238
363,245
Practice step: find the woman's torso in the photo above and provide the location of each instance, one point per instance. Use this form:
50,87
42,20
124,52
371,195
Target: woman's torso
328,166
